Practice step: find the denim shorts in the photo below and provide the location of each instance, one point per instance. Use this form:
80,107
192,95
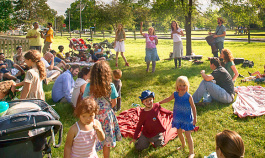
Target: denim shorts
151,55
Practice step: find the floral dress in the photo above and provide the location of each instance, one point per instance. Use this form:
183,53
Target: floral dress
107,118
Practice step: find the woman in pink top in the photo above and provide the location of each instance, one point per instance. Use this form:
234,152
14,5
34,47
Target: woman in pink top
82,137
151,52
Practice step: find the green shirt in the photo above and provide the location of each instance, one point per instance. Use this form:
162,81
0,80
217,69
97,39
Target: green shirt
35,41
229,69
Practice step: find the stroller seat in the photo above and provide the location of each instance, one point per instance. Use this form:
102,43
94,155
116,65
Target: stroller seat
24,134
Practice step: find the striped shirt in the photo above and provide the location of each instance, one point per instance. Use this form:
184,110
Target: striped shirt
84,144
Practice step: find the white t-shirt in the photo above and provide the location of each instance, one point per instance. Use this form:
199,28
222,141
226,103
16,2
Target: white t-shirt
45,62
177,37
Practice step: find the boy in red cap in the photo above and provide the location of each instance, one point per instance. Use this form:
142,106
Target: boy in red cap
151,121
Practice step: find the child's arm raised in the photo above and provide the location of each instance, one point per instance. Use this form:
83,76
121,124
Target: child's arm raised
99,130
193,110
141,29
69,141
167,99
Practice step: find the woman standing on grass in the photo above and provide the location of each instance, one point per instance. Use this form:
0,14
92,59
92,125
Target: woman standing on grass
228,58
150,50
176,34
32,84
119,44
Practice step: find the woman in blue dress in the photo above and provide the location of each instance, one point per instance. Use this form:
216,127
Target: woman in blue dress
184,112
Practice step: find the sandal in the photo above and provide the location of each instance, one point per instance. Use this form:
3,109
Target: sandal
116,64
126,64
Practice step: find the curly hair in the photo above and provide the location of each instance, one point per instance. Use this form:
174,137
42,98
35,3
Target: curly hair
228,56
87,105
35,57
5,86
100,80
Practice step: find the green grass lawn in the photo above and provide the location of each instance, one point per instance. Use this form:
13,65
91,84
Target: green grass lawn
211,119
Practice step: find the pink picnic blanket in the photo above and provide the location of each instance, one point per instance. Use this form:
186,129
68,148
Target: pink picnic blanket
128,120
250,101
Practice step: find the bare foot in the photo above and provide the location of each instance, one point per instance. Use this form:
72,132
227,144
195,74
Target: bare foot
192,156
180,148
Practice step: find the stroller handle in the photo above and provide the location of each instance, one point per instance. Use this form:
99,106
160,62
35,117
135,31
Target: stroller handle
57,126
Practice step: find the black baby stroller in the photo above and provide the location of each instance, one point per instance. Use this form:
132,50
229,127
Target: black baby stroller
24,132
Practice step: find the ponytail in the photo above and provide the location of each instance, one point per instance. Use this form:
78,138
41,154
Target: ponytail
35,56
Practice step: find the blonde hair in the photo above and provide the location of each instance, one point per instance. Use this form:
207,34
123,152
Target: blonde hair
182,80
121,28
154,33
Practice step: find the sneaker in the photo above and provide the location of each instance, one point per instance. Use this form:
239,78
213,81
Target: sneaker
239,75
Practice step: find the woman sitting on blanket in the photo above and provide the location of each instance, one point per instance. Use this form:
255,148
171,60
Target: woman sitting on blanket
149,118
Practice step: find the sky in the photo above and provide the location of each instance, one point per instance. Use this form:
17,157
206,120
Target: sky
61,5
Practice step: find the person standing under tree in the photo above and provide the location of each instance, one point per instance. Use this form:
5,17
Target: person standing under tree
176,34
119,44
219,35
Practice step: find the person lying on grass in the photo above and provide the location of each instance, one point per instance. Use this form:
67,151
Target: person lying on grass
151,122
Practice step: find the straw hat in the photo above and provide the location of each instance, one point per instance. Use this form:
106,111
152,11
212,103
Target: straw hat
222,19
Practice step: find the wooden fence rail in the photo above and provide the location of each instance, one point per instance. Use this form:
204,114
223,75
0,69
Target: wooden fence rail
8,45
136,34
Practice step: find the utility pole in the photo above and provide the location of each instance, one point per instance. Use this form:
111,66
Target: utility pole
69,20
80,19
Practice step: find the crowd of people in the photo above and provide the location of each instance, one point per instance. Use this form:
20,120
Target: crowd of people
96,93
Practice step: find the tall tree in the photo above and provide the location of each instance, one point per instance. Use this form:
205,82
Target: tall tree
241,12
88,8
6,10
28,11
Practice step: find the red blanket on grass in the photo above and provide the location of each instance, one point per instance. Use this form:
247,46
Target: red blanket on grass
250,101
128,120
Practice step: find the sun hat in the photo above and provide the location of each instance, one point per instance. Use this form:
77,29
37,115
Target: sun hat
222,19
145,94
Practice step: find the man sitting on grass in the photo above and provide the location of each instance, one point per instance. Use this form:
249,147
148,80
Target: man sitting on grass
222,91
52,71
64,84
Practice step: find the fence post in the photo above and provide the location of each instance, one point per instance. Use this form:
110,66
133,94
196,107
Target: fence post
103,34
134,34
248,35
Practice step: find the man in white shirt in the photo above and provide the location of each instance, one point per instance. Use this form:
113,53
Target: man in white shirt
52,71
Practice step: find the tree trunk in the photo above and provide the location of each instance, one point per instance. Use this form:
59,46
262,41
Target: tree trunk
188,29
